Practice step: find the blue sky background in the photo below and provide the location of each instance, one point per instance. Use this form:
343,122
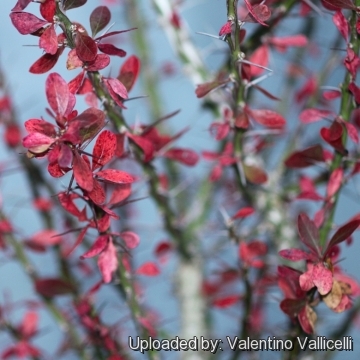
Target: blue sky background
177,92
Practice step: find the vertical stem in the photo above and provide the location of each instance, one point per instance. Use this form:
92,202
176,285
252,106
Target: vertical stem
347,105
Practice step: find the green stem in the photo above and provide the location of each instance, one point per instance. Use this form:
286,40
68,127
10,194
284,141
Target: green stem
50,305
347,105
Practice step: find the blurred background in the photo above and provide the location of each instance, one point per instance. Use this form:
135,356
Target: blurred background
176,91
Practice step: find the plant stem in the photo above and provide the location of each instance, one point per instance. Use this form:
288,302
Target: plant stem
347,105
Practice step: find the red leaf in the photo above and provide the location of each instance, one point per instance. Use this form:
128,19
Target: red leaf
43,204
45,238
226,301
85,126
47,10
117,87
21,5
57,93
75,84
29,324
289,282
242,121
131,239
355,90
67,202
219,130
72,4
204,89
55,170
104,149
254,174
306,157
260,57
185,156
120,193
40,126
292,307
295,255
26,23
145,145
73,61
267,118
352,132
12,135
225,29
286,41
108,262
86,48
251,251
82,173
333,136
78,241
103,224
308,190
352,61
331,94
342,24
148,269
99,245
343,233
37,143
259,13
334,182
50,287
342,4
115,176
322,278
319,217
162,250
99,19
120,138
129,72
307,90
46,62
48,40
101,62
244,212
309,234
111,50
311,115
306,321
97,194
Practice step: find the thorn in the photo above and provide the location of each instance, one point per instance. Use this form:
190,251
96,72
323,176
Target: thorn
257,65
226,217
209,35
314,7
